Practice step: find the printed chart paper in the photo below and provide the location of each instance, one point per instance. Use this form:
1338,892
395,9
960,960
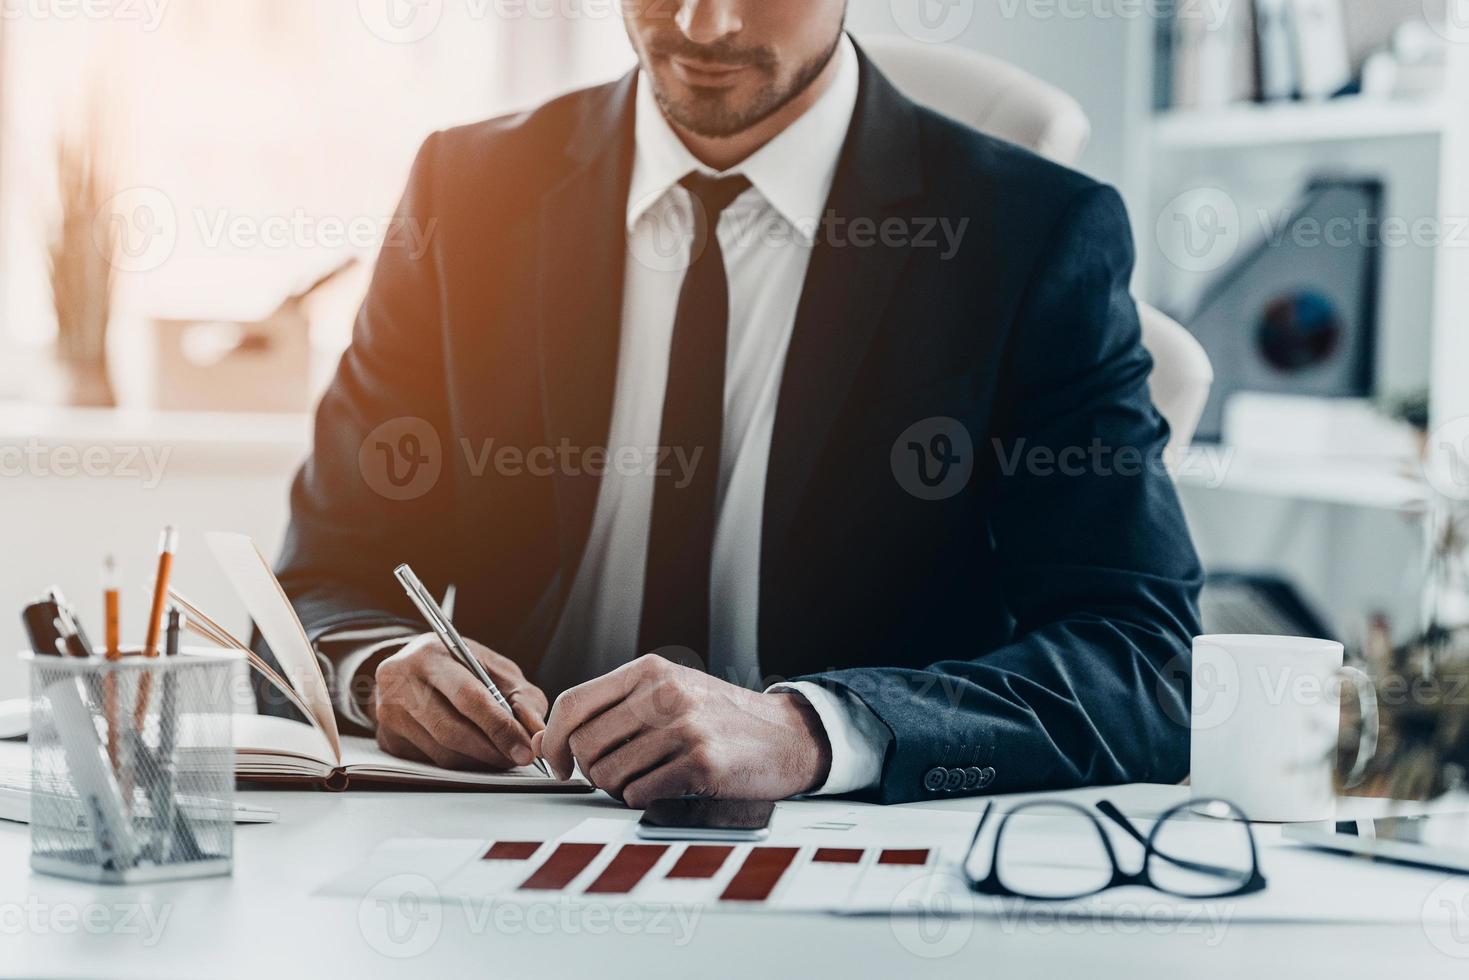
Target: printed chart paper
830,865
895,862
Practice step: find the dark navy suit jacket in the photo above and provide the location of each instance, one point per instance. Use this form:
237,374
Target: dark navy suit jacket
1028,630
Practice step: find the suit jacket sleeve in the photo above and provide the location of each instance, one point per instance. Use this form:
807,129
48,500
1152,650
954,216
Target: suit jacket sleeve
375,490
1099,572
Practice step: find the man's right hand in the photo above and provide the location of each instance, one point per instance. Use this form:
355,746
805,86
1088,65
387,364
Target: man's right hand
429,708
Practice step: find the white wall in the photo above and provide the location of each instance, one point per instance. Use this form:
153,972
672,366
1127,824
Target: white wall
1102,61
60,516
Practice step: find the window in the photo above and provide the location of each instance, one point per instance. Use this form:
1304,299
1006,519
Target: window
256,143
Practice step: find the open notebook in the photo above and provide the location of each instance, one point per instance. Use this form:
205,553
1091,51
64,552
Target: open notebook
277,750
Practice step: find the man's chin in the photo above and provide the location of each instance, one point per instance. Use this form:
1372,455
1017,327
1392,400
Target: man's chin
712,114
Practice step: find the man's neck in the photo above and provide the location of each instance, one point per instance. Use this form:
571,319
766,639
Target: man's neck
721,154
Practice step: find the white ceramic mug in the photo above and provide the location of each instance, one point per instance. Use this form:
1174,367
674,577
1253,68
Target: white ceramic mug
1266,720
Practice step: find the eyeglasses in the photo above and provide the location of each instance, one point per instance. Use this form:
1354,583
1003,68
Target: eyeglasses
1061,852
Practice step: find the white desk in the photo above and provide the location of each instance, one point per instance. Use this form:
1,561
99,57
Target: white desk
264,923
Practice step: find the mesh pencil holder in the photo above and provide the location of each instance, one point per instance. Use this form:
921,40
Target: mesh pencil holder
132,766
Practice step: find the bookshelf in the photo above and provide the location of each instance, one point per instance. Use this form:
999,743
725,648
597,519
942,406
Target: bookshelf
1341,120
1419,148
1366,484
1342,529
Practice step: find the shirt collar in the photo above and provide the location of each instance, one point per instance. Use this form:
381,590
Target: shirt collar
794,171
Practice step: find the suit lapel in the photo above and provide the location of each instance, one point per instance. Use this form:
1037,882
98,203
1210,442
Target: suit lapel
581,257
845,298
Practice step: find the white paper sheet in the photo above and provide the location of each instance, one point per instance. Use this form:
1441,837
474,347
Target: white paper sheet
821,876
1303,885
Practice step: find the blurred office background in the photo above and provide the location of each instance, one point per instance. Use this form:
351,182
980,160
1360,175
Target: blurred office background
192,194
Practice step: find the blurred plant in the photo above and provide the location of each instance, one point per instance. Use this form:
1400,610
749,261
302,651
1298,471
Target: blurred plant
1423,685
1411,408
81,253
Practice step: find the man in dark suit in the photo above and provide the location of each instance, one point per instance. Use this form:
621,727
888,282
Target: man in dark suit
796,438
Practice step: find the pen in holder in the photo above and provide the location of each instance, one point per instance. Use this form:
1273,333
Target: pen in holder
163,809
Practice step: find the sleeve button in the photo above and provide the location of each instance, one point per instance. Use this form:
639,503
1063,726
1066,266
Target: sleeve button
954,781
973,777
934,780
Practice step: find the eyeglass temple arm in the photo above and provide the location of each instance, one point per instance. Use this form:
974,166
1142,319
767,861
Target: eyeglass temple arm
1111,812
974,841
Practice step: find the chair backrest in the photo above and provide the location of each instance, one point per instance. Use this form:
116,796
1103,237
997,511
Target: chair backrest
997,98
986,93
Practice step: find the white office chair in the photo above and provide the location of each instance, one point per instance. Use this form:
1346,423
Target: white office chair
999,99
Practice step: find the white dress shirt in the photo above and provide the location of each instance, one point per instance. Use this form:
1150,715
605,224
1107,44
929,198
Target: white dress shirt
766,236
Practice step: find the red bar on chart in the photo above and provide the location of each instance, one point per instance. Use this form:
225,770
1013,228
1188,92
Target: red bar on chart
512,850
837,855
700,861
759,875
907,857
564,864
628,868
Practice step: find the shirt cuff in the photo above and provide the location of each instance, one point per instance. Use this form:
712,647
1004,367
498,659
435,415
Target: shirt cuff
351,650
859,741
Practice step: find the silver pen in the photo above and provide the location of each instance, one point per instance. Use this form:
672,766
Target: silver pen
449,636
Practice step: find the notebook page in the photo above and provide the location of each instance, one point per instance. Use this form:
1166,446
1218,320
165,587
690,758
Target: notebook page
266,601
362,756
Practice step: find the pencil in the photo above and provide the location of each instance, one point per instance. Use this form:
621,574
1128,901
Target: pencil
112,613
112,605
168,543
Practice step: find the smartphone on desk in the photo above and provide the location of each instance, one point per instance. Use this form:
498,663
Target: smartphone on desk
706,820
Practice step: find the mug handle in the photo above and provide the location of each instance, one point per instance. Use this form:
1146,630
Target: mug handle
1367,704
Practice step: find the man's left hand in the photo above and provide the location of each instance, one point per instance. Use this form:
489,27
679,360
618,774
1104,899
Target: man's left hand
656,730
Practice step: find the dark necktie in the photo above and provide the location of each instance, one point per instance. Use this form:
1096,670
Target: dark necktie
681,538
